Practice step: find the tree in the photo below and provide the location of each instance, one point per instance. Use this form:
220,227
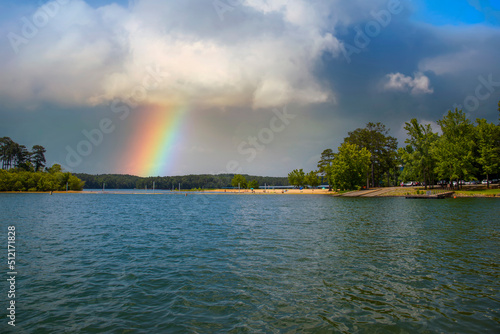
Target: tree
488,147
239,181
75,183
312,179
7,152
350,166
418,161
38,157
22,157
454,151
56,168
383,148
296,177
324,164
254,184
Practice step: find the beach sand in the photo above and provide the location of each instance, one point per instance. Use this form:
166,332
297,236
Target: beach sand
273,191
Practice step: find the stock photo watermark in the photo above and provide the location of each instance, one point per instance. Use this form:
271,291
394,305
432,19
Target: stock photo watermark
31,25
372,29
257,143
122,108
11,275
223,6
483,91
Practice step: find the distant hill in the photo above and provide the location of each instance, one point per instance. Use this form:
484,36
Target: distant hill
204,181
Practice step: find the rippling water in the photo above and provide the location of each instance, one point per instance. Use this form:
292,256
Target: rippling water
252,263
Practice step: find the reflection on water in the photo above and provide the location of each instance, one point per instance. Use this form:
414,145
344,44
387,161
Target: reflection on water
254,263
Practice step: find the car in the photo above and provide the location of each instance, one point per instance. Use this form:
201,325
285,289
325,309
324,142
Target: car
494,181
410,183
485,182
442,183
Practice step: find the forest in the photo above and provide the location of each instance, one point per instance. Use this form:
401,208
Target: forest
202,181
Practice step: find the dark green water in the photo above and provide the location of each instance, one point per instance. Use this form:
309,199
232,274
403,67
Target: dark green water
252,263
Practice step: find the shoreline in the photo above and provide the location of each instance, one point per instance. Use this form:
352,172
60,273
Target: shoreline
373,193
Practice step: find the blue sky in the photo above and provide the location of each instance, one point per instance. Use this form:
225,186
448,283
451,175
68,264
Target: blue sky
334,65
458,12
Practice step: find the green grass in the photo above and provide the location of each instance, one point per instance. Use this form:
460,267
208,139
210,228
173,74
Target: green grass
484,192
407,191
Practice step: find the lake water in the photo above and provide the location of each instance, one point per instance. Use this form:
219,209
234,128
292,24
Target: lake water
171,263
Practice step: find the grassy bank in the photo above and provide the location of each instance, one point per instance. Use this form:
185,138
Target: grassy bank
410,191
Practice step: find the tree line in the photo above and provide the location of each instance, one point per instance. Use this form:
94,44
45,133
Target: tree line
370,157
199,181
24,170
14,155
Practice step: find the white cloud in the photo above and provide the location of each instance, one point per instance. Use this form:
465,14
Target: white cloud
87,56
419,84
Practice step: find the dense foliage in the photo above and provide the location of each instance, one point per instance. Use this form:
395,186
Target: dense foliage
203,181
14,155
349,168
22,170
464,151
51,180
297,178
239,181
383,151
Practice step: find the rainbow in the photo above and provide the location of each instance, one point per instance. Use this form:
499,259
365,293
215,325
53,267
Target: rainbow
151,147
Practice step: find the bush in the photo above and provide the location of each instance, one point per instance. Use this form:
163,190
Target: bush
17,180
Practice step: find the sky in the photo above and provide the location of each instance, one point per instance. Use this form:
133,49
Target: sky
257,87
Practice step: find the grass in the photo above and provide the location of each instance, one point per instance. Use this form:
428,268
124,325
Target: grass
407,191
481,192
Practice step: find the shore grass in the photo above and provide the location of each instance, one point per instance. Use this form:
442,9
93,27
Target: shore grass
410,191
481,192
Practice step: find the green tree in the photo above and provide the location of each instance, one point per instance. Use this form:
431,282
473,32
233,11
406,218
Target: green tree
38,157
488,147
312,179
324,164
418,161
56,168
75,183
239,181
383,148
296,177
254,184
22,157
350,166
454,150
7,152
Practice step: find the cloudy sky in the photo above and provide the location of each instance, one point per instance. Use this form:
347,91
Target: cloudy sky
252,86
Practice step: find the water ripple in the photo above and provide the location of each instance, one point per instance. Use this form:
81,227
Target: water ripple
254,264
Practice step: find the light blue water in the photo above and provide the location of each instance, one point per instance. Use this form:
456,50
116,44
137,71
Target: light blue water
171,263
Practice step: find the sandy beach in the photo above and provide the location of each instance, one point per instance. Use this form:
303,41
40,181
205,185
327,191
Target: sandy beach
272,191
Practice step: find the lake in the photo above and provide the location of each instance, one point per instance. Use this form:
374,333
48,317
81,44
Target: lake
205,263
